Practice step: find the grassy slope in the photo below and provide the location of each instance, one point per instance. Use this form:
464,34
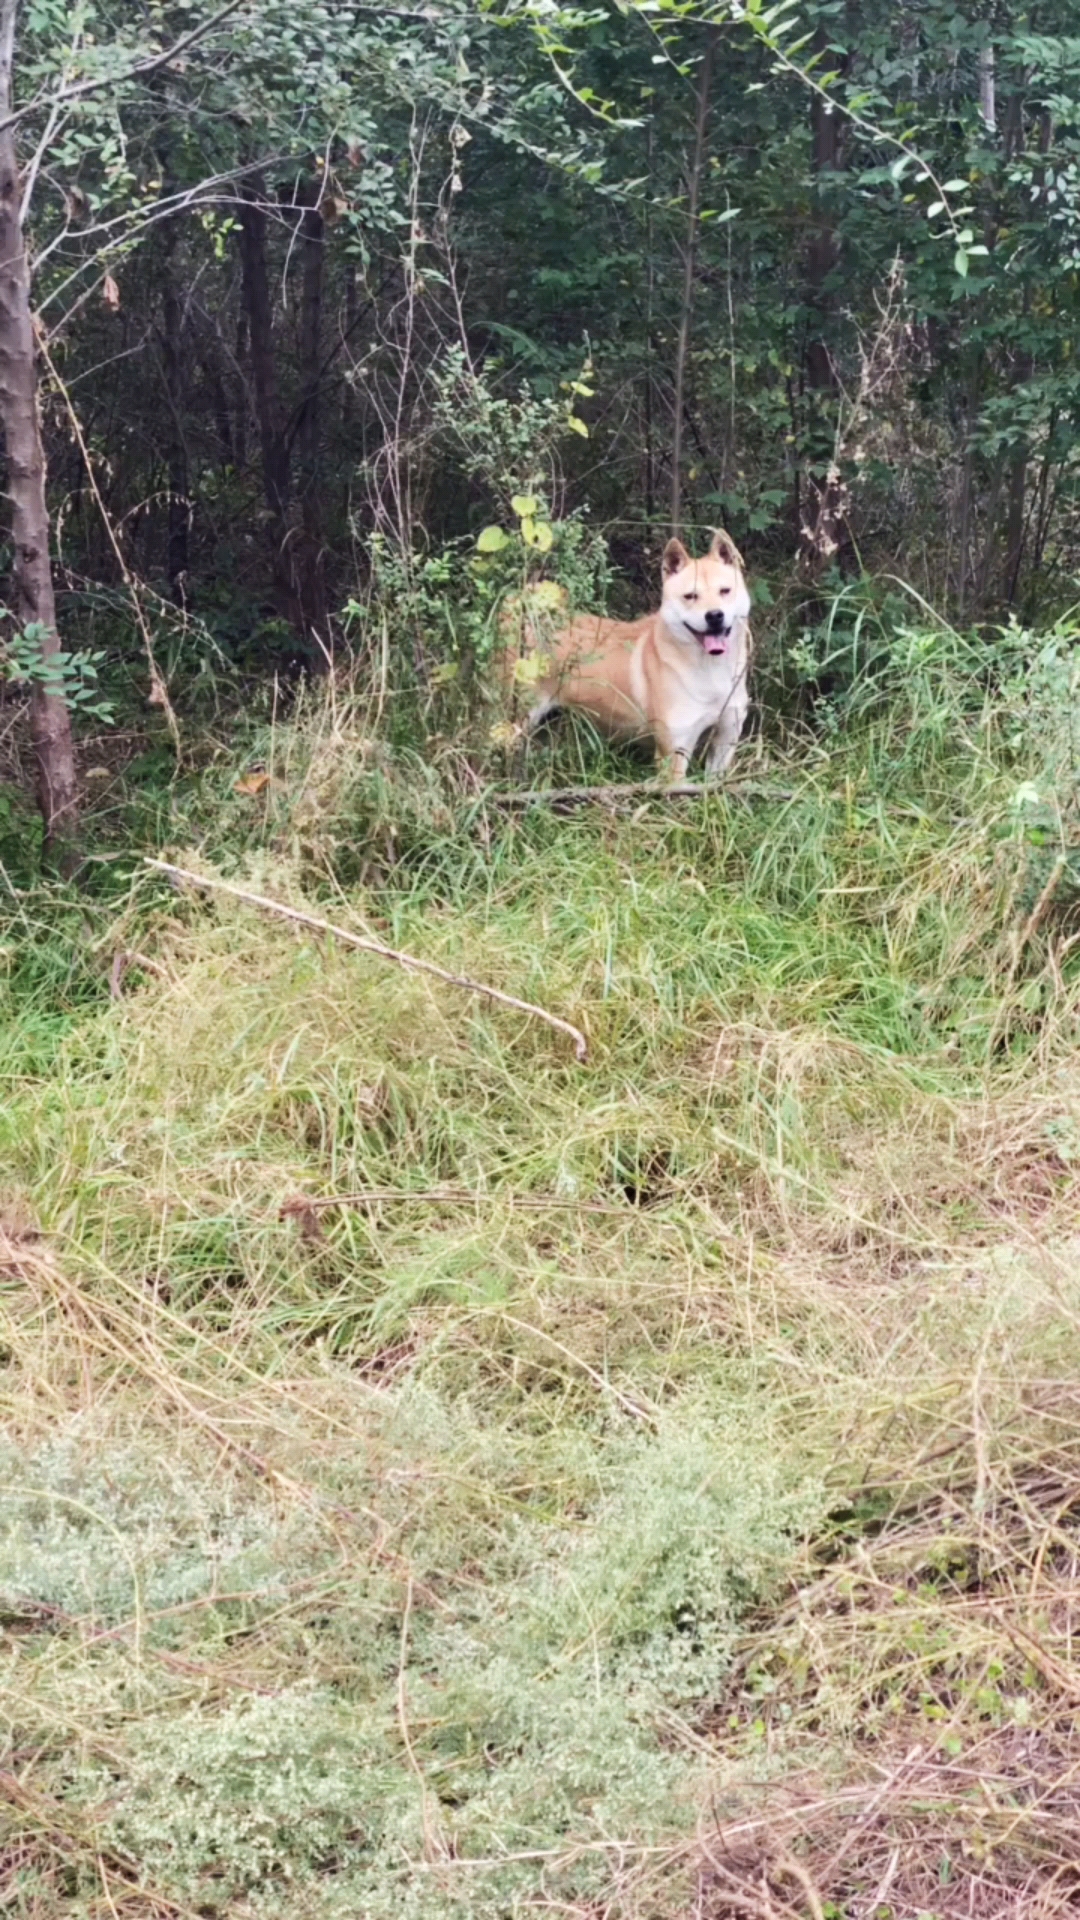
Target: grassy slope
677,1517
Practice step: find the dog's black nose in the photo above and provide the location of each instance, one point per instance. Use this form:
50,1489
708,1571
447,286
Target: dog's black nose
716,621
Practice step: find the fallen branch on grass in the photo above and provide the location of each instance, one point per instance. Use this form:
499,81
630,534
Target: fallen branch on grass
212,884
637,789
306,1208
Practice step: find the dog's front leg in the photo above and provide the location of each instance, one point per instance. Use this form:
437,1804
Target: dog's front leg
724,739
542,709
672,759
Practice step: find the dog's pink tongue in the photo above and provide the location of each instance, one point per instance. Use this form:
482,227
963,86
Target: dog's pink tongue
714,644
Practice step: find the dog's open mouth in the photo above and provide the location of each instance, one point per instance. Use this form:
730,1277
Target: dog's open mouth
714,642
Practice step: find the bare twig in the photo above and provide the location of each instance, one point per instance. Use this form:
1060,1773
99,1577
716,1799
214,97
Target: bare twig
409,961
796,1871
646,1412
159,692
435,1847
1020,941
1052,1671
738,1894
885,1791
32,171
122,960
1040,909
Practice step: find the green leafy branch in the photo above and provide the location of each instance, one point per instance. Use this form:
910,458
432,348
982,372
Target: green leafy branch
772,26
70,677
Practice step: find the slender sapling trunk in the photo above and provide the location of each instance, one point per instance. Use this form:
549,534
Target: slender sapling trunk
682,350
33,600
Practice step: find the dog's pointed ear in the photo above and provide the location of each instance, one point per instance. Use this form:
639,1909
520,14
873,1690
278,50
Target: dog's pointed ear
675,558
724,548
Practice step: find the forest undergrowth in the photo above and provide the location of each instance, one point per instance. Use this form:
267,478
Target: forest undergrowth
442,1477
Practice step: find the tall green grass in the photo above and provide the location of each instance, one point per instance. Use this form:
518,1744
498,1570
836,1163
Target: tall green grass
633,1454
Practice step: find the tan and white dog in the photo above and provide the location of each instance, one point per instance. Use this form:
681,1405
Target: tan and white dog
677,677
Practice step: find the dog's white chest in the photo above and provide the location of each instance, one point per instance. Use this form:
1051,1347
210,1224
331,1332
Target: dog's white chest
703,689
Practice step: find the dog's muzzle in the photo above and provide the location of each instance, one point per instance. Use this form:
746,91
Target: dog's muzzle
717,628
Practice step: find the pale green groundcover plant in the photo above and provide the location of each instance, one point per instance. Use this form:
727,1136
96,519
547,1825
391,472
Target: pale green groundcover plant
542,1691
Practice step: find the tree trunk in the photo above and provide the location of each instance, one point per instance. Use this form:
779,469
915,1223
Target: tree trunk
1016,523
822,525
32,581
219,399
274,446
238,360
172,318
311,563
1044,500
987,89
1016,516
967,486
821,252
1023,368
682,351
650,290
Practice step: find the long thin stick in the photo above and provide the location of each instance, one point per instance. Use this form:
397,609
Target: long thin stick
408,960
448,1196
651,789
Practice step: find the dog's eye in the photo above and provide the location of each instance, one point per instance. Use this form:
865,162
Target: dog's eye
691,596
723,591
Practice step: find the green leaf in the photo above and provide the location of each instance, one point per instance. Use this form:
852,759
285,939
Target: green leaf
524,504
960,262
577,426
955,186
935,207
492,540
